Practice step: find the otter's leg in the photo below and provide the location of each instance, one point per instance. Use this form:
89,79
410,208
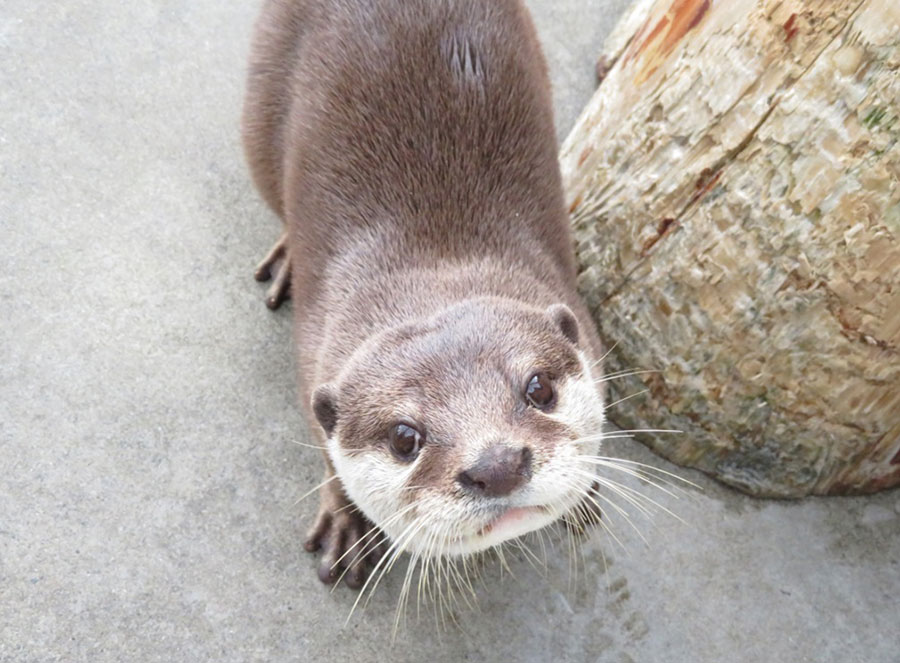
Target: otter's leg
349,542
278,263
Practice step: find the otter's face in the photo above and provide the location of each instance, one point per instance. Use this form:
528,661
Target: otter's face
457,432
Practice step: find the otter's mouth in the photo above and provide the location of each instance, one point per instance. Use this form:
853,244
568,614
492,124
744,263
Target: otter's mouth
503,525
511,518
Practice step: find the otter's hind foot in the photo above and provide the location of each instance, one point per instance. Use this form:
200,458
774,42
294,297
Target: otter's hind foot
277,262
351,545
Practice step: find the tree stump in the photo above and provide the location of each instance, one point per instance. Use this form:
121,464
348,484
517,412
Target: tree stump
735,197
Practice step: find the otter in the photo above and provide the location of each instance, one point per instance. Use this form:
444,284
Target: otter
408,147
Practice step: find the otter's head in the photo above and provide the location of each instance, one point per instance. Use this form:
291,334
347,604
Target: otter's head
459,431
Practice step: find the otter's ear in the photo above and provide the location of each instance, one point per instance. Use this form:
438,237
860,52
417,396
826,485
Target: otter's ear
324,404
563,318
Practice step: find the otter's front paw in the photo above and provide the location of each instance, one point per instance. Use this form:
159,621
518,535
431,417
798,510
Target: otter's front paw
349,542
278,263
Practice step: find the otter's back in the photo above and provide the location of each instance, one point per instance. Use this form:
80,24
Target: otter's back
427,119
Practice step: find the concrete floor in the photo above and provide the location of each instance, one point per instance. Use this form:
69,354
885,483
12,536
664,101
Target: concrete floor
148,476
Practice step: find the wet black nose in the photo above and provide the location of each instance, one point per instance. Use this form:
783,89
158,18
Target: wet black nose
498,471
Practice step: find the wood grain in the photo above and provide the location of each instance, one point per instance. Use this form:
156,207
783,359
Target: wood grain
735,194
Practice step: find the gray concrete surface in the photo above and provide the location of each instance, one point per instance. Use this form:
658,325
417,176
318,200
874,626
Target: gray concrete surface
148,476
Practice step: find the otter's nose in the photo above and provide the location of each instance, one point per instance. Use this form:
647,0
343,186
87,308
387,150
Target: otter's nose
498,471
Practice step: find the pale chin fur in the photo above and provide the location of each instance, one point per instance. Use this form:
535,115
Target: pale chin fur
440,524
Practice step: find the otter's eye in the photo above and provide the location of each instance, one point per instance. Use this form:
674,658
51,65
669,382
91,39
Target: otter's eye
539,391
406,441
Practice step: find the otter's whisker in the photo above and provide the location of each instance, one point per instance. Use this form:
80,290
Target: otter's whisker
618,489
540,536
404,594
315,488
605,354
308,446
371,545
360,554
622,400
451,594
623,374
442,583
618,509
645,466
428,547
465,563
634,498
458,582
397,553
443,599
573,558
641,430
419,587
431,572
395,548
482,563
668,487
629,435
582,510
503,564
624,514
607,528
640,496
601,436
564,522
527,553
366,549
625,494
648,479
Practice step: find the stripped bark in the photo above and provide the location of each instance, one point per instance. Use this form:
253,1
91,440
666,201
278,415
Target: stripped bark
735,195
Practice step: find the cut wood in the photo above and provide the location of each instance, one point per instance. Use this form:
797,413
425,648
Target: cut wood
735,195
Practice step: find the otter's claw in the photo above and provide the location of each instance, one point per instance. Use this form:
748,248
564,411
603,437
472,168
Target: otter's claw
346,538
277,260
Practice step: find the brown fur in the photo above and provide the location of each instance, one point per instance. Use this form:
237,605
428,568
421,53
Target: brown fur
409,148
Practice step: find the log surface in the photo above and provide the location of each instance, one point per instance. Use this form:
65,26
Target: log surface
735,194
